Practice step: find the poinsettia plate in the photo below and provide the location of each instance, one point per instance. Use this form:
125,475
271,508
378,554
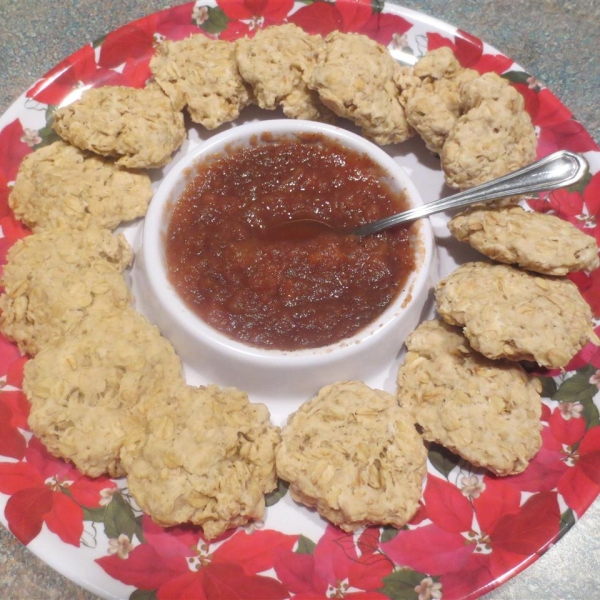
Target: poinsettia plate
472,531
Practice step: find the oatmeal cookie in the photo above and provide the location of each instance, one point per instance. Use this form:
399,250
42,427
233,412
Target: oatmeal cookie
431,96
354,454
490,87
52,280
84,389
355,79
534,241
139,127
278,62
509,313
488,412
201,74
494,137
206,458
62,186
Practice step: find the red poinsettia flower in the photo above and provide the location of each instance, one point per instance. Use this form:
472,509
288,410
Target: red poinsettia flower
16,402
132,44
236,30
498,63
467,48
591,196
339,565
568,461
557,129
136,41
358,17
12,151
580,485
272,11
568,135
469,51
245,17
548,466
14,370
324,17
179,562
428,549
133,41
163,557
542,105
446,506
137,72
513,543
12,231
589,286
588,355
563,203
12,442
78,71
382,27
581,209
9,353
509,536
46,490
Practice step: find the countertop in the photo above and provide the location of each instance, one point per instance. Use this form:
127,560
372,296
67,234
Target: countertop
555,40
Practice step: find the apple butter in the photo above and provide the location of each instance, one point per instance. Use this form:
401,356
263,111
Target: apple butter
287,294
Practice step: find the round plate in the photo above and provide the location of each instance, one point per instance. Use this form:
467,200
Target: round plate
472,532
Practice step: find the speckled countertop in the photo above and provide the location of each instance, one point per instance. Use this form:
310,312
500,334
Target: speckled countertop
555,40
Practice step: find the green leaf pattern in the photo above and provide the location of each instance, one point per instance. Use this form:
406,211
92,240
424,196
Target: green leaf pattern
47,134
278,493
406,584
305,545
579,388
119,518
442,459
216,22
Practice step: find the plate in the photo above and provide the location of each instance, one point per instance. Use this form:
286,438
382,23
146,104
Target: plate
473,531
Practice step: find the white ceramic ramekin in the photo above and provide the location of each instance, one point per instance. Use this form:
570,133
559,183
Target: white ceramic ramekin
273,373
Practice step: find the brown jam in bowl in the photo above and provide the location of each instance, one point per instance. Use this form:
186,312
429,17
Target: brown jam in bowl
276,293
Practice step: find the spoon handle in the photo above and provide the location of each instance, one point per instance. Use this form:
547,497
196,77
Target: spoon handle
558,170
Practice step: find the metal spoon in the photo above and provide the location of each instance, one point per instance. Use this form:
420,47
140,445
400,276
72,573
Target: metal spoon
560,169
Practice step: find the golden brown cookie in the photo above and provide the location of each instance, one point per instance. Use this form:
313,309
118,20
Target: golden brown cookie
355,79
62,186
354,454
533,241
487,412
489,87
431,95
84,389
278,62
52,280
513,314
494,137
207,457
139,127
202,74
